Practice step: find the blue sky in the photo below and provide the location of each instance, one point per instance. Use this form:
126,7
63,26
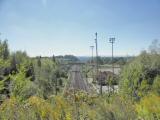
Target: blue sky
46,27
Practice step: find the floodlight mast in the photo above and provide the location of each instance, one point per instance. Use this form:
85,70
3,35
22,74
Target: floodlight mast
96,54
92,63
112,41
97,67
92,47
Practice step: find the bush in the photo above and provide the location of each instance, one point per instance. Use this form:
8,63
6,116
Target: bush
149,107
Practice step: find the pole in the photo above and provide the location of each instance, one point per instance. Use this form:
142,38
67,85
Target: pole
92,47
112,41
97,64
112,59
96,54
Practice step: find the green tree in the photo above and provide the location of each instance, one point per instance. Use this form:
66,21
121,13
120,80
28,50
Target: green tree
22,87
156,85
138,76
53,58
4,50
39,61
154,48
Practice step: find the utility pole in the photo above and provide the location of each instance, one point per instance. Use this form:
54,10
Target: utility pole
97,64
96,54
92,47
112,41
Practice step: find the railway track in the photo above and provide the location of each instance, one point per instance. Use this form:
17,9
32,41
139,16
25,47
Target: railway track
76,80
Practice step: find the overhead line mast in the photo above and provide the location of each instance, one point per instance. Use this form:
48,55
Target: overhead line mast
97,67
96,54
92,47
112,41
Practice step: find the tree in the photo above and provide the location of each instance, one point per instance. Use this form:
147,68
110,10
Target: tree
14,64
17,59
30,72
39,61
4,51
154,48
71,58
156,85
53,58
21,86
138,76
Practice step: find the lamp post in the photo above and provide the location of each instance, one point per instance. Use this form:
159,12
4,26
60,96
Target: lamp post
92,47
112,41
96,54
97,64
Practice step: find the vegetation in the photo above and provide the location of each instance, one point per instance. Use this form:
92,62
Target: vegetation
116,60
34,89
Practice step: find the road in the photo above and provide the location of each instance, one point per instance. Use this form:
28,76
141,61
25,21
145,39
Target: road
76,80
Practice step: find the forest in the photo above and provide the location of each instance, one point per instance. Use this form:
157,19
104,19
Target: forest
34,88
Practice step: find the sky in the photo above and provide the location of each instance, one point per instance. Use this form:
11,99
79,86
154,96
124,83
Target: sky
59,27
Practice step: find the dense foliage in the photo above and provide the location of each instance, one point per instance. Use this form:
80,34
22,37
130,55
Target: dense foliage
33,89
141,76
22,76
